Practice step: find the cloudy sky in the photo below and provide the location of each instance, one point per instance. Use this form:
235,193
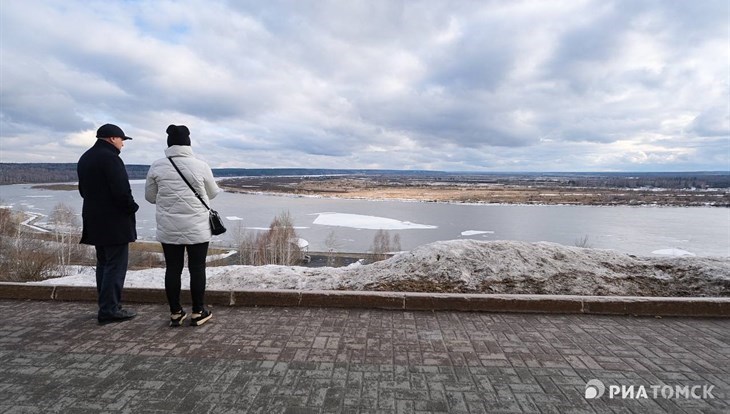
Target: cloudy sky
574,85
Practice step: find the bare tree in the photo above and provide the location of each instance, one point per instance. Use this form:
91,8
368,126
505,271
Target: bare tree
583,242
278,245
66,230
333,245
239,233
283,241
33,258
383,245
248,243
6,220
8,225
23,255
396,243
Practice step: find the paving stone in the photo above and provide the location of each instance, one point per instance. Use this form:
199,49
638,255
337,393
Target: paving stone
339,360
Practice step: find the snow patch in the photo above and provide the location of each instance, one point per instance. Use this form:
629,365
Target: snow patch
215,257
31,218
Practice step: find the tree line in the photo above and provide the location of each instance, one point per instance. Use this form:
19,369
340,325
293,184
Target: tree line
34,173
671,182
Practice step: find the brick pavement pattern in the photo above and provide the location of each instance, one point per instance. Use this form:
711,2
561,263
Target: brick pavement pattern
55,358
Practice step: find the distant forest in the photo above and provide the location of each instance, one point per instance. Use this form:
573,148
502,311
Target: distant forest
12,173
36,173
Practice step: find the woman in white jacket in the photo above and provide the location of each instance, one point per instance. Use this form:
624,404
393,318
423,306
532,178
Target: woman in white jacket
182,220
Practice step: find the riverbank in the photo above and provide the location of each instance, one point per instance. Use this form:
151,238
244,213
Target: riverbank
455,190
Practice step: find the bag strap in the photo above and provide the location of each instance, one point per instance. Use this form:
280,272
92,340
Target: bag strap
186,182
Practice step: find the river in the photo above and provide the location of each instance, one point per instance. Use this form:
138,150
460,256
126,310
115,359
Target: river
702,231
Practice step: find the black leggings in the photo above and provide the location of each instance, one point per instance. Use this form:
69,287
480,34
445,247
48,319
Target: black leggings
175,261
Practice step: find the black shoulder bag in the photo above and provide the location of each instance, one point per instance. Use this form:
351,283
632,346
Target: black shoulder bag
216,224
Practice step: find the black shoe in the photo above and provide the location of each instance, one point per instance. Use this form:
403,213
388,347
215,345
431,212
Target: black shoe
198,319
119,316
177,318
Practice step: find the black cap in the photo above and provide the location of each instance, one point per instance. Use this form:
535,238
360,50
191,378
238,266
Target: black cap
110,131
178,135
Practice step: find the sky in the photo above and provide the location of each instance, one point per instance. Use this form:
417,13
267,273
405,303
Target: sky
513,85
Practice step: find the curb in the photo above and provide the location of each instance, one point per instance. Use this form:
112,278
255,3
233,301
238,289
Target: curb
410,301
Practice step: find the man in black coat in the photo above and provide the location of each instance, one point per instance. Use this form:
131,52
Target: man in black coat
108,217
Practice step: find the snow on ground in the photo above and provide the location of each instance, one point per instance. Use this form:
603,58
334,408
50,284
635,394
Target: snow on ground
29,223
215,257
470,266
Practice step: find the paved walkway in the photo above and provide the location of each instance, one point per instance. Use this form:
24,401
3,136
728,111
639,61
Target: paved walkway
55,358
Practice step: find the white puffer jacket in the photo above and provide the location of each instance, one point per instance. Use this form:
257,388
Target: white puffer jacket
181,217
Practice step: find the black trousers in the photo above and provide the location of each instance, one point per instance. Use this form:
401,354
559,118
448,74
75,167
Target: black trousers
175,261
111,270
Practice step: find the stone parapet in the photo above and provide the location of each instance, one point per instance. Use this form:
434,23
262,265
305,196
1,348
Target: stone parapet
565,304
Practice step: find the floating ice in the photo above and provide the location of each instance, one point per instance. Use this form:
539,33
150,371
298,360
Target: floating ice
476,232
673,252
359,221
236,218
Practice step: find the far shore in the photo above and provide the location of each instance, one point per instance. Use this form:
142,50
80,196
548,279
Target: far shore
511,193
403,189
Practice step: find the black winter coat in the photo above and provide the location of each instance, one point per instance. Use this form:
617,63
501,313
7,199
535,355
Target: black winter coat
108,211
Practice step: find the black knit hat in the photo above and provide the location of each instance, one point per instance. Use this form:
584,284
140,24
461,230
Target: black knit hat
178,135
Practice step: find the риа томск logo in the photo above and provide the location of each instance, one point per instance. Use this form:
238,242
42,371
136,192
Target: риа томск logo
596,389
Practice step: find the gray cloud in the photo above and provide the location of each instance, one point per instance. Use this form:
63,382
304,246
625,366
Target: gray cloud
465,85
713,122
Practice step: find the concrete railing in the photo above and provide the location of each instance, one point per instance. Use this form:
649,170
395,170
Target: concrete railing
600,305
